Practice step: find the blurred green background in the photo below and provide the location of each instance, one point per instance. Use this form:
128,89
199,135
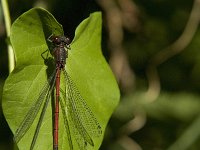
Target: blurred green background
153,47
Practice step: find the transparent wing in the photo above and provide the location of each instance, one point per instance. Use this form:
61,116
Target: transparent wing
43,113
84,122
33,111
70,126
66,122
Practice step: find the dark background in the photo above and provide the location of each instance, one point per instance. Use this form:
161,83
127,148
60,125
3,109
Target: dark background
153,47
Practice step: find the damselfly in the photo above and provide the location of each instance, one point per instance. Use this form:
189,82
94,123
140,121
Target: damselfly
78,118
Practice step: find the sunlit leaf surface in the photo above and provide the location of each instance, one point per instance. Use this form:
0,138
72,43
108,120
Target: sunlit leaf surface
85,64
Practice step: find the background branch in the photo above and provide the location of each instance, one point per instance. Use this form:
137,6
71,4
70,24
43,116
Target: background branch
175,48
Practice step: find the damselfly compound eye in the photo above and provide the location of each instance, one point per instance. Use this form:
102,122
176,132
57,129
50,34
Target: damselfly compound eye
67,40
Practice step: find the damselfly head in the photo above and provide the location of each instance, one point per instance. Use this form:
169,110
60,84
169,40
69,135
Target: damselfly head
67,40
59,40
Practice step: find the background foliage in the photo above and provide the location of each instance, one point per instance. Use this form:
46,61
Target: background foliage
153,49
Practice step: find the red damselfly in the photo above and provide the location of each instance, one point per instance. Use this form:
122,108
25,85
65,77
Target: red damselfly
78,118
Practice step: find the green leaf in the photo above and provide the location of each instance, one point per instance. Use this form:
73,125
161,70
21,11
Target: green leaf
85,64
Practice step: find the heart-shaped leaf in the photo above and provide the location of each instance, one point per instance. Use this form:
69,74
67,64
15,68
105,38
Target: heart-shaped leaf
85,64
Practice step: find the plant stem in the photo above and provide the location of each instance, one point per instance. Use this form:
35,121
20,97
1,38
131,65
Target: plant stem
11,59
